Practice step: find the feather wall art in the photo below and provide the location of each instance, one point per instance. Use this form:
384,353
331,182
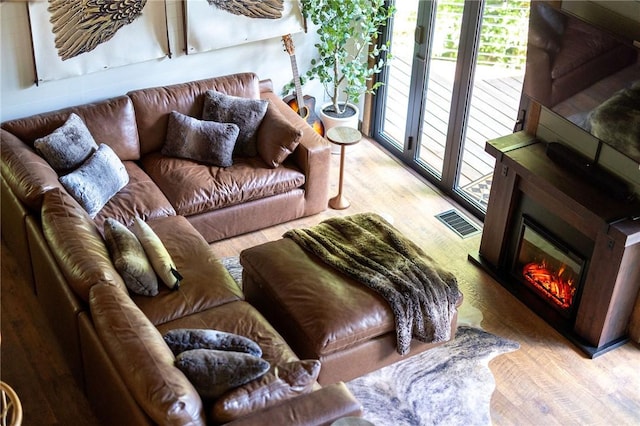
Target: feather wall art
216,24
258,9
80,26
77,37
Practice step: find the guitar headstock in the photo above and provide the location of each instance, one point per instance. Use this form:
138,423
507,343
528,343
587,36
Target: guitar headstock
288,44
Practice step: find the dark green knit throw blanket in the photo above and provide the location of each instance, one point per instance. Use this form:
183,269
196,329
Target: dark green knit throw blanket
366,247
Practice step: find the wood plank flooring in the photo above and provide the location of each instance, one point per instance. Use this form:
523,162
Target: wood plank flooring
546,382
493,112
31,361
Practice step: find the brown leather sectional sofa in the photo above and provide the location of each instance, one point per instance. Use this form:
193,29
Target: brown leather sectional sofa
113,340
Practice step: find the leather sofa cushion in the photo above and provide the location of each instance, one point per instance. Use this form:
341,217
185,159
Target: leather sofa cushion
76,244
112,122
282,383
205,283
143,360
194,188
239,318
546,27
141,197
353,314
153,105
28,175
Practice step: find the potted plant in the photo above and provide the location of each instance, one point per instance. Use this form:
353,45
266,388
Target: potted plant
348,55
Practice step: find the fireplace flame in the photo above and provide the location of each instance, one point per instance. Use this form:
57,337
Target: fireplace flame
551,284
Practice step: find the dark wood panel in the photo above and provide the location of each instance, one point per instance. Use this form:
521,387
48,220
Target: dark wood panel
612,280
497,219
533,164
616,280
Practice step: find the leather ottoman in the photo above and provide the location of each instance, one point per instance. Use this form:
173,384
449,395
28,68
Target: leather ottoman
322,313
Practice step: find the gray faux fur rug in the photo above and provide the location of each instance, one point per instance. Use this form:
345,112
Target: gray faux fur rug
447,385
232,264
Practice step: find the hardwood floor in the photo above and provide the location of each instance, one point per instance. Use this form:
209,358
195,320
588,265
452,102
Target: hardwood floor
547,381
31,362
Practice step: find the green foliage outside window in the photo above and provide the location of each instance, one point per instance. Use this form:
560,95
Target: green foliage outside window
503,37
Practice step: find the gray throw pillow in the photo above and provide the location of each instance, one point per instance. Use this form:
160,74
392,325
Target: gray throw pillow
96,180
130,259
68,146
207,141
184,339
214,372
246,113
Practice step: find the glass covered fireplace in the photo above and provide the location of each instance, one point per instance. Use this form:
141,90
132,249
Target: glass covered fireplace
549,267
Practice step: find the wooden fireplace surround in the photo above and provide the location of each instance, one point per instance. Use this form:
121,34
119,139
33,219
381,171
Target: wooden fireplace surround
613,278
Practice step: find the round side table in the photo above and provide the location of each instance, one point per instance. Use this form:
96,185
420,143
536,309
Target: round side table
342,136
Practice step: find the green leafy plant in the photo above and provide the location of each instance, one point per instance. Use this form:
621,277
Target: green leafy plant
348,53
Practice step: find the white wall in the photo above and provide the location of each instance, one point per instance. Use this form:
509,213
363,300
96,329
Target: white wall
19,96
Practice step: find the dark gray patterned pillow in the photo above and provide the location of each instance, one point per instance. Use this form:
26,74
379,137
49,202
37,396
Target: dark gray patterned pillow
130,259
184,339
246,113
68,146
210,142
214,372
97,180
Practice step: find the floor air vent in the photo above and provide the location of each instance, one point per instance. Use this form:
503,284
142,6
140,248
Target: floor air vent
458,223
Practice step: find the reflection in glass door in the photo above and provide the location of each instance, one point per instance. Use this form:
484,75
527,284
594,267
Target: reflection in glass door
454,82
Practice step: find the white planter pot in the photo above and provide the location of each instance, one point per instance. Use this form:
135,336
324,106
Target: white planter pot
328,122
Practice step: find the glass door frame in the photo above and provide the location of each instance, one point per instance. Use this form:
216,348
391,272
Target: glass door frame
464,71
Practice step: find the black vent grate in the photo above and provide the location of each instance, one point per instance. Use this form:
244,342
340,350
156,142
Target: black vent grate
458,223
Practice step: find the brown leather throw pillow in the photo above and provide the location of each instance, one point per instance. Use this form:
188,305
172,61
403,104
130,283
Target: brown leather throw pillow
277,137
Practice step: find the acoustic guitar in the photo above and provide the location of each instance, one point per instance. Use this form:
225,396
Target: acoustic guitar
305,105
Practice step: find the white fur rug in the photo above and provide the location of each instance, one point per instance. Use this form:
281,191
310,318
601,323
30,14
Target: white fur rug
447,385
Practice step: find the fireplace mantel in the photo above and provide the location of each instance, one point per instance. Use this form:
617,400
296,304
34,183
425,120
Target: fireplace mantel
611,284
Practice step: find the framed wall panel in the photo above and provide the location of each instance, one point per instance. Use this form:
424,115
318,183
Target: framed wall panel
215,24
72,38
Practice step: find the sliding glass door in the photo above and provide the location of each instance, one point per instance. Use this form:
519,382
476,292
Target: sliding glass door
454,81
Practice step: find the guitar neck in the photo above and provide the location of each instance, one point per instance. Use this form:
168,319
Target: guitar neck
298,88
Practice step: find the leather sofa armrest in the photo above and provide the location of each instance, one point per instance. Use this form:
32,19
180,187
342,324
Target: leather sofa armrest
538,80
28,175
312,156
321,407
142,358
